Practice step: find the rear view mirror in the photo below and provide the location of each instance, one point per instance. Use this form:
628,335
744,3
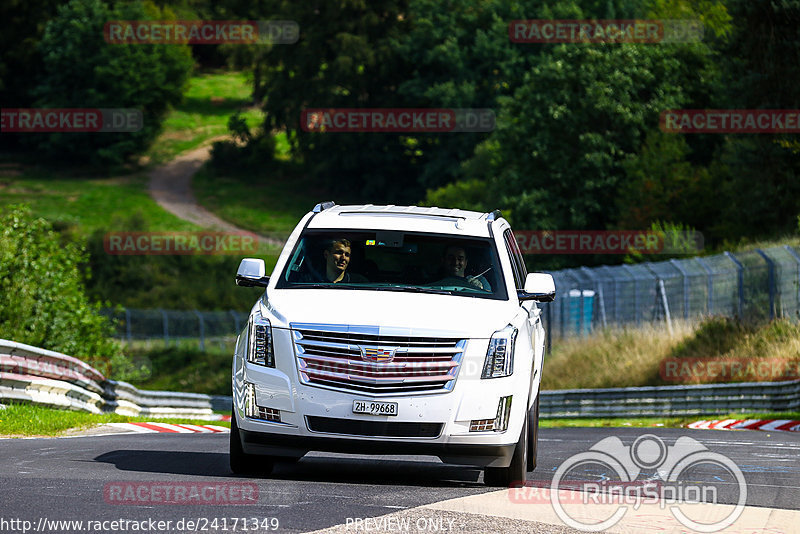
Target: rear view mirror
539,287
252,273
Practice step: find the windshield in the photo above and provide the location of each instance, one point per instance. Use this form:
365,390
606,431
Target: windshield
395,261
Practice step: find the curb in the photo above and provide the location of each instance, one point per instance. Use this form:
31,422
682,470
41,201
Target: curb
168,428
784,425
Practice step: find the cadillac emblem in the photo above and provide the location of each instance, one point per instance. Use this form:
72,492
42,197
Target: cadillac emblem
376,354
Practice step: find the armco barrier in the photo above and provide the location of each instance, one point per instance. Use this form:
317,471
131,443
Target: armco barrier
660,401
31,374
40,376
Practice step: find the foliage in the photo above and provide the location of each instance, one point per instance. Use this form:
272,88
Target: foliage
81,70
142,281
43,300
660,183
562,138
185,369
468,195
23,25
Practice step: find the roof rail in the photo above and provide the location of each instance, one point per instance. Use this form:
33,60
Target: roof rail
324,206
494,215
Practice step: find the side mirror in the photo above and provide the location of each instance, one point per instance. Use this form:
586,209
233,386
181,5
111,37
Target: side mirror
539,287
251,273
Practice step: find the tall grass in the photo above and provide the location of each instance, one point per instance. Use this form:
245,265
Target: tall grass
621,357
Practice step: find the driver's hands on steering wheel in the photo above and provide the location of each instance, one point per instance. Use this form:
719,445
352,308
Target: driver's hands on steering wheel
474,282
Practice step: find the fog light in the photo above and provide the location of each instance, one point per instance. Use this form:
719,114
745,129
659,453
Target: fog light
254,411
499,423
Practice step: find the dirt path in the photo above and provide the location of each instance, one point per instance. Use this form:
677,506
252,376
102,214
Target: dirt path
171,187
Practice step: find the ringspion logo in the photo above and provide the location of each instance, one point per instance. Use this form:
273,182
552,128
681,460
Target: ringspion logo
180,243
76,120
648,472
397,120
605,31
198,32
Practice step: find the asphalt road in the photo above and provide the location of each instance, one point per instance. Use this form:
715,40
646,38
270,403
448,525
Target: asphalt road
74,479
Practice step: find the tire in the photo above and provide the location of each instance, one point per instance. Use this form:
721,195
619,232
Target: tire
533,434
242,463
516,473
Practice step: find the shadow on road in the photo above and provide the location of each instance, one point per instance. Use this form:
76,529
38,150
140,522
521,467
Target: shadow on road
354,470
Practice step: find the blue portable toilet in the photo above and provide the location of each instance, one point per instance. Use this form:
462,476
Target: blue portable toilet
580,304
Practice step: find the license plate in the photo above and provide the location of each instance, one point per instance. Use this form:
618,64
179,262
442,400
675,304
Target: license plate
374,407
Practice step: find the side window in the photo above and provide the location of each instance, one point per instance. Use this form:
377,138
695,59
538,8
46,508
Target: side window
517,263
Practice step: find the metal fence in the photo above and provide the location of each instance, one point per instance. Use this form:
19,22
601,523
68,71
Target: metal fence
756,284
752,285
176,326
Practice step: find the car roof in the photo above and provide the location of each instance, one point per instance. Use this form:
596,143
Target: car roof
406,218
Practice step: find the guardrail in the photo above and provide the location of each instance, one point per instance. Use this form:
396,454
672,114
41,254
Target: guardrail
661,401
31,374
40,376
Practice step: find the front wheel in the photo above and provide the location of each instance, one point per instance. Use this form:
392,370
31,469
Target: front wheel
242,463
533,434
516,473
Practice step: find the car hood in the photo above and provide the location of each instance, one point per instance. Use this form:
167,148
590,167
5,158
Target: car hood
417,313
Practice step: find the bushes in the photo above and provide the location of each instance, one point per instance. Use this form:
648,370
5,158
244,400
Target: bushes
81,70
42,297
172,282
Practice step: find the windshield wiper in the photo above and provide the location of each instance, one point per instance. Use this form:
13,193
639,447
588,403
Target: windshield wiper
415,289
297,285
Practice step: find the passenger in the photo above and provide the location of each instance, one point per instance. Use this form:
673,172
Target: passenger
454,264
337,259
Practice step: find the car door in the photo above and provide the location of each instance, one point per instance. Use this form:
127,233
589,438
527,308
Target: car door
534,331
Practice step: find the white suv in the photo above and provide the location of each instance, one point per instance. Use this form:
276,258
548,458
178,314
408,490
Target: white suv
392,330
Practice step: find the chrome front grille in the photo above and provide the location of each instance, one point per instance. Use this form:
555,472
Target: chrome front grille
372,360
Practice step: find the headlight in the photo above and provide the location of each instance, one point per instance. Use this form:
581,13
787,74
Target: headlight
500,356
259,349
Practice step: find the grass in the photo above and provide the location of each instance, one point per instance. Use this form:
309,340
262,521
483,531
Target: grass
87,203
34,420
87,200
187,368
665,422
208,103
620,357
269,202
615,357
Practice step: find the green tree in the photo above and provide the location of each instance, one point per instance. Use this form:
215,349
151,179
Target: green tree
759,175
23,25
82,70
562,138
661,184
43,301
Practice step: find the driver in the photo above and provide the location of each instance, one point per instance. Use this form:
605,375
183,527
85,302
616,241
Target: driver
454,263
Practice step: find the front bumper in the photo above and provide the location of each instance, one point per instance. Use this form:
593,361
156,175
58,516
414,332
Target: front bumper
295,446
322,419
